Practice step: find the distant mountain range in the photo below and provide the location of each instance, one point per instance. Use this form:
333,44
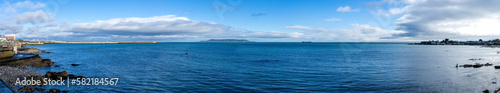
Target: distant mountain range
227,40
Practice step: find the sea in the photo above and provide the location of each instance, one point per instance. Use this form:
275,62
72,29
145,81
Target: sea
275,67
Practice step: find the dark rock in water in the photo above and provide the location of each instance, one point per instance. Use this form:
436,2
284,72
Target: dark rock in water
474,59
53,90
43,51
486,91
56,66
477,65
48,52
71,76
75,64
496,91
47,62
488,64
497,67
56,75
94,48
26,89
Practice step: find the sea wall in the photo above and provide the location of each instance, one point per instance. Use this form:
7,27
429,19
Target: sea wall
7,50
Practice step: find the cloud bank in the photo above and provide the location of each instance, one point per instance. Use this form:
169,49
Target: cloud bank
448,17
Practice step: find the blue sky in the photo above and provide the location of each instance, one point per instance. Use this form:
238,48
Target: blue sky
275,14
257,20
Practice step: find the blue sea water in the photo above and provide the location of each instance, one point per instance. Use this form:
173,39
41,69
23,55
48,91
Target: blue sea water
275,67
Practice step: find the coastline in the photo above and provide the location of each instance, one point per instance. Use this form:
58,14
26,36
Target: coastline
19,58
16,66
485,46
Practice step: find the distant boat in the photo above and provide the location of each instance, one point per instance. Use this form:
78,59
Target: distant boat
306,42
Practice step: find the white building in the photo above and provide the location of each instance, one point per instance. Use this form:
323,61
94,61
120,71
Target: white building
2,38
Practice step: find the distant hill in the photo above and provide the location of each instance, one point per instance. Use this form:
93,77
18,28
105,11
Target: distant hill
226,40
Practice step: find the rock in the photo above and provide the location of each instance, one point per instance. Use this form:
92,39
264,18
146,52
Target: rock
496,91
477,65
486,91
64,74
47,62
75,64
94,48
497,67
71,76
26,89
474,59
48,74
29,50
56,66
57,75
33,61
53,90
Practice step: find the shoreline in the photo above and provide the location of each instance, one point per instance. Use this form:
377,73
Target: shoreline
17,66
486,46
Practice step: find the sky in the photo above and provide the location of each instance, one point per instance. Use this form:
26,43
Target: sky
255,20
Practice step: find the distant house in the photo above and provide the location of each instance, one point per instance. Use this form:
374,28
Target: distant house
10,37
2,38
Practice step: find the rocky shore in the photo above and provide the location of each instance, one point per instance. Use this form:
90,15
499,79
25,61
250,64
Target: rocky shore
12,68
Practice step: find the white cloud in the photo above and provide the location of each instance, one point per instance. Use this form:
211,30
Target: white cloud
13,8
449,17
356,34
36,17
411,1
30,5
6,28
332,19
346,9
167,26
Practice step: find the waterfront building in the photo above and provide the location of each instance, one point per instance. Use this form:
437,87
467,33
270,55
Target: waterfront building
10,37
